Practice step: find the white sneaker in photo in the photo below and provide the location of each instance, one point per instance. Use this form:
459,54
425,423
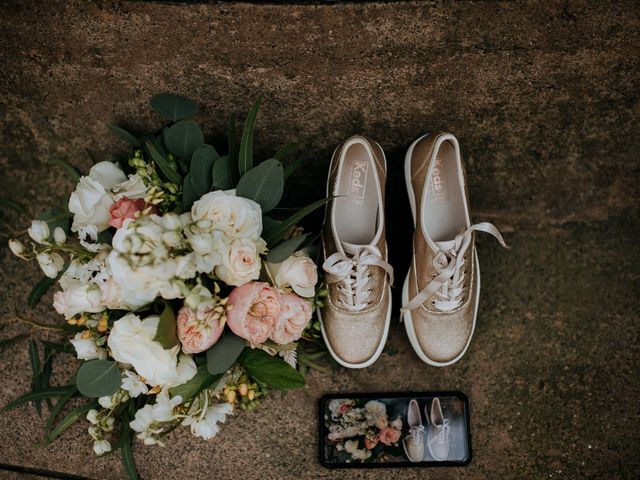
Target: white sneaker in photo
413,443
438,432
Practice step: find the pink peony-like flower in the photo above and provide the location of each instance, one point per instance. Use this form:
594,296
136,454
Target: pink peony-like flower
295,313
123,209
371,443
389,435
198,333
254,310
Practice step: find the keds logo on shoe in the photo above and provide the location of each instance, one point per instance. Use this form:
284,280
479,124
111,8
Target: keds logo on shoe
439,181
358,179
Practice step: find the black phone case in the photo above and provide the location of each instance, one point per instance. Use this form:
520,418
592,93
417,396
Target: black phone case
396,399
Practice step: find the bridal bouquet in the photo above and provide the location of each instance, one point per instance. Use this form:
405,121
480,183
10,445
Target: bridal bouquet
187,301
361,433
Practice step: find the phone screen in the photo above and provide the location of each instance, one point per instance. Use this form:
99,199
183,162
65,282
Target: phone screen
394,430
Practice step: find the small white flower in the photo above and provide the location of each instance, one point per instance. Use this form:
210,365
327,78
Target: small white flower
143,419
109,423
59,236
164,406
289,356
87,349
207,426
92,416
39,231
106,402
133,384
17,248
100,447
50,263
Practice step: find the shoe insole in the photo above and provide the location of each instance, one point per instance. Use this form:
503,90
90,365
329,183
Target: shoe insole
444,212
356,212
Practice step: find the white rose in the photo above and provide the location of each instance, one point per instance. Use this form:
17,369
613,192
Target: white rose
133,188
237,217
77,298
50,263
131,341
90,204
108,174
39,231
87,349
240,264
298,272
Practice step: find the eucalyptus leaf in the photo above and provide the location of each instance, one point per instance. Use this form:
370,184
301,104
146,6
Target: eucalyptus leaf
70,169
124,135
12,204
275,234
224,353
283,250
263,184
162,162
201,380
271,370
183,138
245,155
221,173
202,161
292,167
189,193
98,378
166,334
174,107
233,149
39,290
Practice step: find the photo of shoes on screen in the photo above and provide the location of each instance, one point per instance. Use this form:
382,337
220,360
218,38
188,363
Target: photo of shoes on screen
398,429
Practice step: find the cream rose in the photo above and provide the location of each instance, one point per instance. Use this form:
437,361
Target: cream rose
78,297
298,272
295,313
92,198
131,341
237,217
240,264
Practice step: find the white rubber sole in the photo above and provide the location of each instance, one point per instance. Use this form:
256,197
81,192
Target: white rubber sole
387,323
406,316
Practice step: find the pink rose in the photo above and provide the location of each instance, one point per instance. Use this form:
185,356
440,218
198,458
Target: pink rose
198,332
370,443
389,435
123,209
295,313
253,309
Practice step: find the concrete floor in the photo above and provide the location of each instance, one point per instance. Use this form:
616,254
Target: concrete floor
544,99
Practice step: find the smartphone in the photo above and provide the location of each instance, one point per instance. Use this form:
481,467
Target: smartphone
364,430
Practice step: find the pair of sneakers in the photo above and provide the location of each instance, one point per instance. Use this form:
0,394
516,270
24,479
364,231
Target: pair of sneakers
441,290
437,432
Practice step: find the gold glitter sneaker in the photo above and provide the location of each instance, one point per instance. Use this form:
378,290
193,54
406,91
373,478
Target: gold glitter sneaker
357,312
441,290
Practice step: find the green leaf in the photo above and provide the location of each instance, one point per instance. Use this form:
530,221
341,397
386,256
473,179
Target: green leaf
233,149
124,135
275,234
201,380
284,151
271,370
183,138
283,250
189,194
245,155
60,347
98,378
9,341
127,453
36,372
174,107
73,416
162,162
292,167
33,396
57,408
56,218
70,169
12,204
167,335
263,184
224,353
202,162
222,175
39,290
47,370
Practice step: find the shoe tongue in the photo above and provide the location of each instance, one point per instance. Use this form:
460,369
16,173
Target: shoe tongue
351,248
446,245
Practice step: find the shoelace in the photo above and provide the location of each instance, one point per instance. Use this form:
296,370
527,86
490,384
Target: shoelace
443,429
448,285
414,433
352,275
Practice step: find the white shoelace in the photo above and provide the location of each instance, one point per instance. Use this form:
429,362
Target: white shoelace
448,285
414,433
443,429
352,274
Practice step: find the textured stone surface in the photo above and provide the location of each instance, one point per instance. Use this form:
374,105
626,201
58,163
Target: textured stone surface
544,99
